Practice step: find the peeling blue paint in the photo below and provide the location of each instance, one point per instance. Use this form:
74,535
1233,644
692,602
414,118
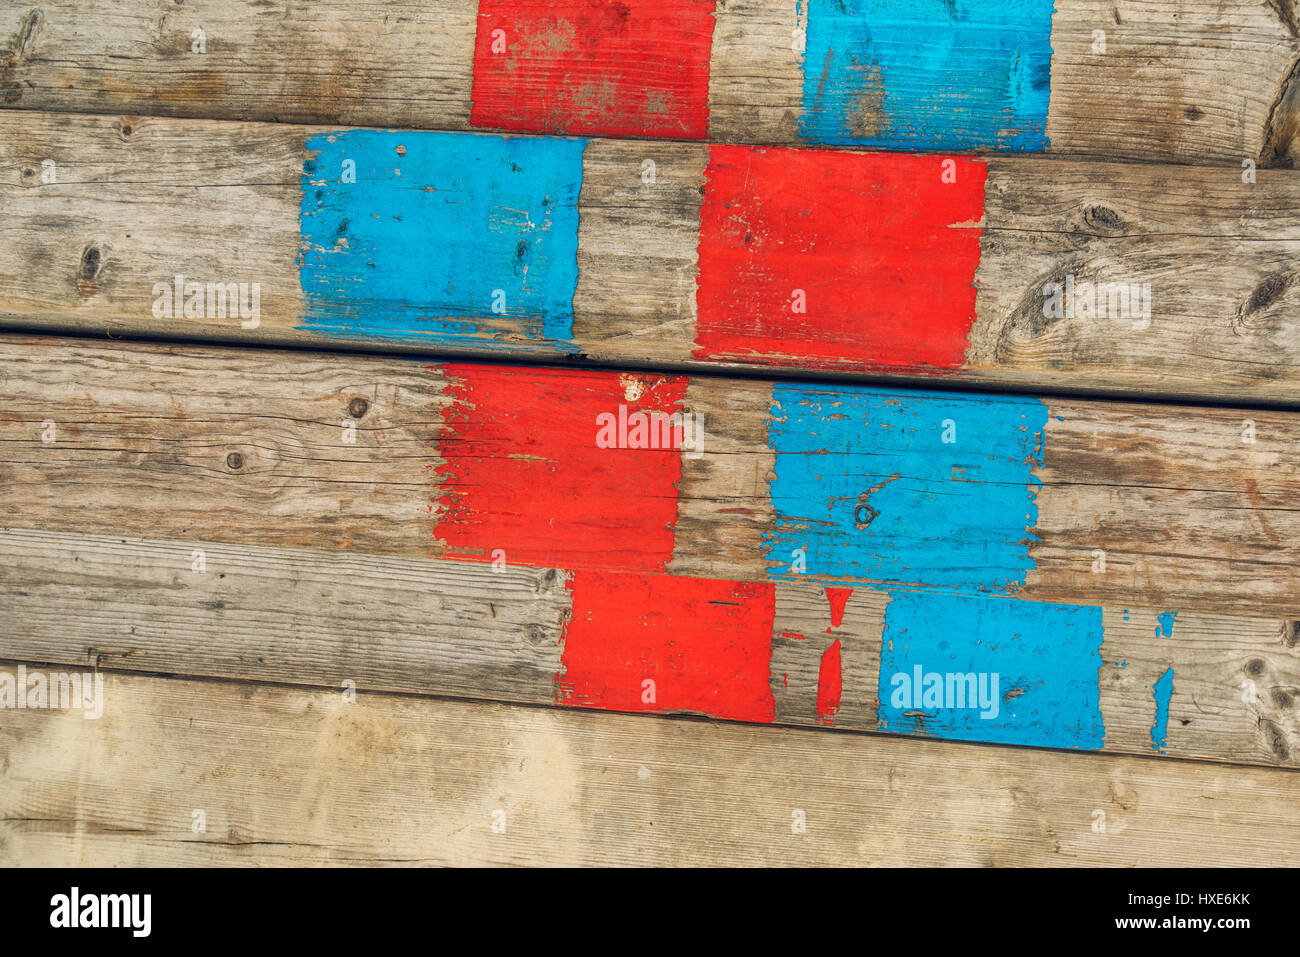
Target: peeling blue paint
927,74
867,487
1163,692
1047,658
444,238
1165,624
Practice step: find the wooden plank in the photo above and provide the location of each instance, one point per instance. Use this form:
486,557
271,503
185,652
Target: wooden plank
1166,80
289,776
1076,678
561,248
974,494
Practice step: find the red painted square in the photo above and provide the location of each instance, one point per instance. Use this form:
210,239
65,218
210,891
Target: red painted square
522,471
883,249
706,645
630,68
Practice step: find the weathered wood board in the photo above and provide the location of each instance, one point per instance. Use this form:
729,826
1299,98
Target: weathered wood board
1129,681
1005,271
350,609
1167,80
291,776
1115,504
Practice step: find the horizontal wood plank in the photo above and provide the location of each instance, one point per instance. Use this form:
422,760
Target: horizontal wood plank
1166,80
1011,271
467,630
288,776
1114,504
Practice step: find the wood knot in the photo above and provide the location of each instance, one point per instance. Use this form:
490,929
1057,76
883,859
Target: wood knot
1291,633
1269,291
1275,738
1255,667
1102,218
88,270
90,262
864,515
551,580
234,461
358,407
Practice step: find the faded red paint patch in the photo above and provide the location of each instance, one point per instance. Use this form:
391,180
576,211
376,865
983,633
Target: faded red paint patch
522,471
633,68
830,685
887,282
838,597
706,645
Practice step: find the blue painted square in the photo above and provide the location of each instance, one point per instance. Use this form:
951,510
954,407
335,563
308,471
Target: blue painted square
1047,659
927,74
436,230
867,487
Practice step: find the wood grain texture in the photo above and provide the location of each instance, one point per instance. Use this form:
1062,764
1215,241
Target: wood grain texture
290,776
455,629
251,447
137,202
1178,81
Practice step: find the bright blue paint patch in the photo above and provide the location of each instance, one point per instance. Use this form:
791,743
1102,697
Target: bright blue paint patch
418,247
927,74
1165,626
953,515
1164,690
1050,654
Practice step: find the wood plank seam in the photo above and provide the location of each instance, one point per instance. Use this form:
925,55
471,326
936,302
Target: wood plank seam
288,776
1167,80
1002,271
543,636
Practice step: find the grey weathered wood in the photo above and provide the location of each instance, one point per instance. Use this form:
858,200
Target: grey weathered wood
455,629
293,776
1191,517
138,201
1180,81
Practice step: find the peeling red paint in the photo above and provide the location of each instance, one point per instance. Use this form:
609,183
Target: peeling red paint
706,645
522,473
829,685
838,597
633,68
882,249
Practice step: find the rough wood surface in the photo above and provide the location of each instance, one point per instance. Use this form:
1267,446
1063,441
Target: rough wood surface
1193,507
136,202
288,776
1176,80
462,630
